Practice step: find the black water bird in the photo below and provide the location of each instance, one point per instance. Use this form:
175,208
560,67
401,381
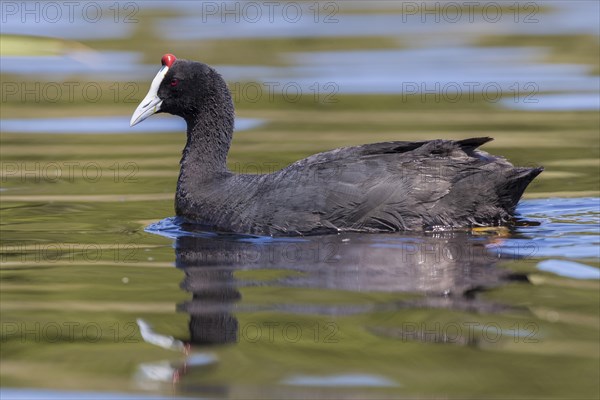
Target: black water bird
379,187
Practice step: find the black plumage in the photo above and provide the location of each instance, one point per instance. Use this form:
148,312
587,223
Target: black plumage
380,187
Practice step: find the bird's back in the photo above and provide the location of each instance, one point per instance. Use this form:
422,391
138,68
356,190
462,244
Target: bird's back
393,186
380,187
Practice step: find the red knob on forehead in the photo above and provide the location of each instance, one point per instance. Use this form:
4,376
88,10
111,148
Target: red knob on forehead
168,60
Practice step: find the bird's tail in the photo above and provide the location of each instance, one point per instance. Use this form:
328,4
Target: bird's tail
515,182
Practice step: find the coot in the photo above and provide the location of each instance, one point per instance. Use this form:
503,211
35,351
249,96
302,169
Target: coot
379,187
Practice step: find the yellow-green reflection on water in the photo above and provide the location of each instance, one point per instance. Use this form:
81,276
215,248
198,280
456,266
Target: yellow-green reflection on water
78,269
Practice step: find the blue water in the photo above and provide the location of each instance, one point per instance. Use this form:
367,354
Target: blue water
557,102
95,125
568,228
439,56
566,17
569,269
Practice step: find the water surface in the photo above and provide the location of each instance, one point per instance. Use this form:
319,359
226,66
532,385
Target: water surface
104,294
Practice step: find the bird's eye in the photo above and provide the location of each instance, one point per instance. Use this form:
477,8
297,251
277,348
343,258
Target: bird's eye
174,82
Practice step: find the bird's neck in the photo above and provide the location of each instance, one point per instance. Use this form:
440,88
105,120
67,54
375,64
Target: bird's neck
209,135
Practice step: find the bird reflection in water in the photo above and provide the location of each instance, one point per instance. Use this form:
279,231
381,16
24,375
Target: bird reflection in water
442,270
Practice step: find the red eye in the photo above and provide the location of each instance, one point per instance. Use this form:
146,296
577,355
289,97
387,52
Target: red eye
174,82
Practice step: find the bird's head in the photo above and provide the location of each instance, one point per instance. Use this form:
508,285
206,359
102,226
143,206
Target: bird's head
180,88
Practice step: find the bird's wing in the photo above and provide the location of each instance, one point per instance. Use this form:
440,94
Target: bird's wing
380,186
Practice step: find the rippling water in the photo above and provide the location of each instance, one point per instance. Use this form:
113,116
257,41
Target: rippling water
105,295
394,292
369,316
